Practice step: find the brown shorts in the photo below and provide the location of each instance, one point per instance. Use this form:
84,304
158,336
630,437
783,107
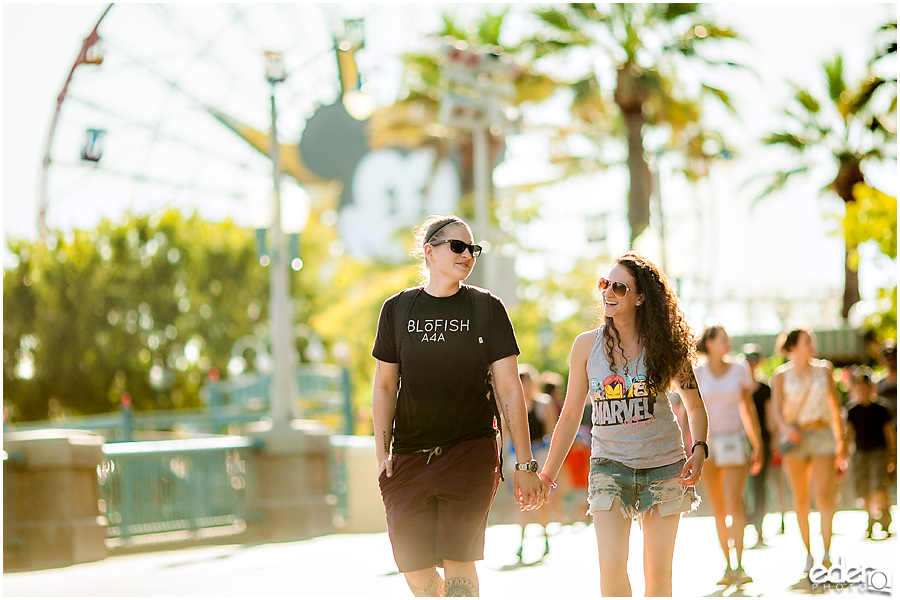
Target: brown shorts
439,510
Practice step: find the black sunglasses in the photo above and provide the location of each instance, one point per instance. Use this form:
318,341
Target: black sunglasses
618,287
459,247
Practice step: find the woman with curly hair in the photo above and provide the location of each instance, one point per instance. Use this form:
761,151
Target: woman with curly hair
639,469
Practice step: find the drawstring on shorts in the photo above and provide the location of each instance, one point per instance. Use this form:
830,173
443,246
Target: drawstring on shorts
432,452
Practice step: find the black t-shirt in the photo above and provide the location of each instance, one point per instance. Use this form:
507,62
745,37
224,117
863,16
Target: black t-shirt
868,424
762,393
443,396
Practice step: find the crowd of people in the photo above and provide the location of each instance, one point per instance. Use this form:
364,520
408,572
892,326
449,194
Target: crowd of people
653,421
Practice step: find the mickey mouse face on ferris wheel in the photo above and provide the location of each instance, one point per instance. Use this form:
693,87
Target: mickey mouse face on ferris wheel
175,113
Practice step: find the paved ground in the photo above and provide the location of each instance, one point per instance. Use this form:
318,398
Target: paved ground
361,565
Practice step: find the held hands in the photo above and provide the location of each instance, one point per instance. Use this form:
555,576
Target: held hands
528,490
546,485
690,474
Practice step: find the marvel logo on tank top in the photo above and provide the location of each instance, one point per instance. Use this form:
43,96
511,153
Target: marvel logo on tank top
619,400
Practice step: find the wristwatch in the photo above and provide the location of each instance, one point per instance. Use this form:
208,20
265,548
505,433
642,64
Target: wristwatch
531,465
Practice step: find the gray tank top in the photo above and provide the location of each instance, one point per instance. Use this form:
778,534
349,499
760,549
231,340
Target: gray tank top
632,420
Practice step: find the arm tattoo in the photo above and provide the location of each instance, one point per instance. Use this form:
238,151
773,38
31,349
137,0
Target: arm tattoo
432,589
460,586
384,437
688,380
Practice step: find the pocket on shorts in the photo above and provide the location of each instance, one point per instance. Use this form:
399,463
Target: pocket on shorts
396,468
668,496
603,488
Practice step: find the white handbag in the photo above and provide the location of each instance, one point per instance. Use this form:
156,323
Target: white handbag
728,449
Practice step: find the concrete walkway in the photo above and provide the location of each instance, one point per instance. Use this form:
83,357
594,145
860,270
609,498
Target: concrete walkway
362,566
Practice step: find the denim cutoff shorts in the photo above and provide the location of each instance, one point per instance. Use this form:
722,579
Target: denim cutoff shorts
640,490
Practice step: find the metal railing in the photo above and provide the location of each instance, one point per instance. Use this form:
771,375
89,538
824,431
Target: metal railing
323,394
167,486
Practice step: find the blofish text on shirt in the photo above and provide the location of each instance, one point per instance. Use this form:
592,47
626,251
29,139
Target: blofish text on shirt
433,330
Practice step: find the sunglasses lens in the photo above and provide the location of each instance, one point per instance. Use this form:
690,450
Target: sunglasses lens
619,288
459,247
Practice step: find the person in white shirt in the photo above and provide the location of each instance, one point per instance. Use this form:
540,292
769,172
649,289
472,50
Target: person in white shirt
726,386
807,410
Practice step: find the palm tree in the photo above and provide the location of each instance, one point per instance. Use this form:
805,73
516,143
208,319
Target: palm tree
412,120
644,47
854,124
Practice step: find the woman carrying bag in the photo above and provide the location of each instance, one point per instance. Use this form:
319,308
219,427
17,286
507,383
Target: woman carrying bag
807,411
726,387
437,348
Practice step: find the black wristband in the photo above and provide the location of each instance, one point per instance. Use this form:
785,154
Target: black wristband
705,448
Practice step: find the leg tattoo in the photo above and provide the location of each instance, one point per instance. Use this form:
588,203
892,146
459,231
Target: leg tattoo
433,588
460,586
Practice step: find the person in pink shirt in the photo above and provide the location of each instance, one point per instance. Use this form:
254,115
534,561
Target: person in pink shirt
726,386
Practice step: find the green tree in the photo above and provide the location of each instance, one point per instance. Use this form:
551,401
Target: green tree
872,218
845,125
413,119
87,315
645,50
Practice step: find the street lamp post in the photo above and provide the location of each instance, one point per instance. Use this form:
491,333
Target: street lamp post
282,389
478,100
482,78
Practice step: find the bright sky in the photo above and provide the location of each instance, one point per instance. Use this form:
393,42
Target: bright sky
723,251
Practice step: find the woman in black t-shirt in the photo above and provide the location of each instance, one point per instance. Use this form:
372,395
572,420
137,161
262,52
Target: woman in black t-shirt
434,418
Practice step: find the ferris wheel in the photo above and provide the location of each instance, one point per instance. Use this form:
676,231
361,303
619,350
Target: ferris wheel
168,105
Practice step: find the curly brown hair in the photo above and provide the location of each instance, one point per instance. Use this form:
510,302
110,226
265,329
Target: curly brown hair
662,328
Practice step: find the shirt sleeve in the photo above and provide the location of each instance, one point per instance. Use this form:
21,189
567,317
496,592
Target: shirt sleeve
502,341
385,348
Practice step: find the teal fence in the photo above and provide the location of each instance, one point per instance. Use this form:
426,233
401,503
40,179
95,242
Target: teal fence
177,486
199,486
323,393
